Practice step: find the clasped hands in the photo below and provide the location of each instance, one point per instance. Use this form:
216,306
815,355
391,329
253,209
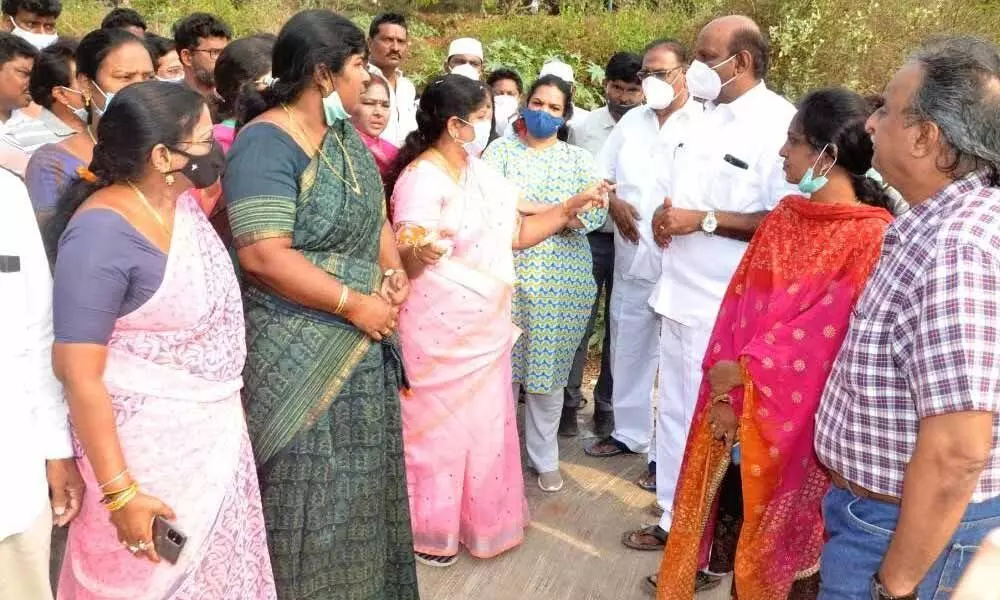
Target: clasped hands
668,221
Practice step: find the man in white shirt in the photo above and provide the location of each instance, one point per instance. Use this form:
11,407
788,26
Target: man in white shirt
623,92
563,71
642,145
465,57
723,181
387,48
36,454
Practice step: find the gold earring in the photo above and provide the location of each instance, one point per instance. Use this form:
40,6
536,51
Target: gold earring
169,178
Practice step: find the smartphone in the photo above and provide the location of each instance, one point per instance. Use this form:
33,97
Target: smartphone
167,540
735,453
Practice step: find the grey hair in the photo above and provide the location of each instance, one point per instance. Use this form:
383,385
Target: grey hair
960,93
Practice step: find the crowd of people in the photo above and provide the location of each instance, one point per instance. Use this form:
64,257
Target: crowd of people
269,310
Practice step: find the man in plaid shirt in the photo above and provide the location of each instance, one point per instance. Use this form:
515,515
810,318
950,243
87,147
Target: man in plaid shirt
908,424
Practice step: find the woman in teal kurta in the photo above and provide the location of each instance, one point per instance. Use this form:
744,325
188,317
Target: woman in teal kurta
321,297
555,282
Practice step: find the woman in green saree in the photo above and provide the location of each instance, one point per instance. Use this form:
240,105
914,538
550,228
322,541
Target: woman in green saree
321,299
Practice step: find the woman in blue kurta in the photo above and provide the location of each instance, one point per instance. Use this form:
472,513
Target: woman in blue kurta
555,282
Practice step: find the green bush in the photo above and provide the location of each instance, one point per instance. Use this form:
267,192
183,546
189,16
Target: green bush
856,43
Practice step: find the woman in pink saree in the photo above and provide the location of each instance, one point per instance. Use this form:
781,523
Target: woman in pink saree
150,347
457,221
778,332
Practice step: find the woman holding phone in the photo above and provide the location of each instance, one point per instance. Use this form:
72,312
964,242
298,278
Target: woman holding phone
150,346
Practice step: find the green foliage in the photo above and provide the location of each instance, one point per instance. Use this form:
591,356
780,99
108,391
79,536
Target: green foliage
856,43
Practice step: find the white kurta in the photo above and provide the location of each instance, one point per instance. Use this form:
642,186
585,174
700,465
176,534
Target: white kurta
637,149
729,163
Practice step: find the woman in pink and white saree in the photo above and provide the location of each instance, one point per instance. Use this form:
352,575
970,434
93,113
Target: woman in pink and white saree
457,221
150,346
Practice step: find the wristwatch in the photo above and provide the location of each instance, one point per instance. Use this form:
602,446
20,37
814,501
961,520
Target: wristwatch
878,591
709,224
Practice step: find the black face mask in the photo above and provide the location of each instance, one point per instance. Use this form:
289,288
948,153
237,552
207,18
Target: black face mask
618,110
203,170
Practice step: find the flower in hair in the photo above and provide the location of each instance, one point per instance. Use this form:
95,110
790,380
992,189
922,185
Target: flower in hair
86,174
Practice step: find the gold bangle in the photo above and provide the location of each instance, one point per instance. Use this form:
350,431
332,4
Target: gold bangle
113,479
723,399
118,500
344,292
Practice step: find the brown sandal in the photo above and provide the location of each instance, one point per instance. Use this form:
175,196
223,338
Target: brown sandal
655,532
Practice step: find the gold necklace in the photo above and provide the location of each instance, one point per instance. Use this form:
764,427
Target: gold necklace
455,174
149,207
355,187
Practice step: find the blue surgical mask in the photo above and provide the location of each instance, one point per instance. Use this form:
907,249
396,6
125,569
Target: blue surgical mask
540,124
333,109
810,183
98,111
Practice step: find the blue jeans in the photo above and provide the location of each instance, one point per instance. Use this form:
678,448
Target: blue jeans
858,532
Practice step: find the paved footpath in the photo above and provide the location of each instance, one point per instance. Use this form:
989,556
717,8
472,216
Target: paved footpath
573,549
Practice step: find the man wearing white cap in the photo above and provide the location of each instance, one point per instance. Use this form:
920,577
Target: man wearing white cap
563,71
465,57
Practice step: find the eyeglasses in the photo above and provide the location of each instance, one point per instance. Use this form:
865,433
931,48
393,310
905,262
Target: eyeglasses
661,75
213,52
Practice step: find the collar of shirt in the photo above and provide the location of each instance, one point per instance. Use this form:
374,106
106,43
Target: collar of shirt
55,124
744,107
377,71
930,211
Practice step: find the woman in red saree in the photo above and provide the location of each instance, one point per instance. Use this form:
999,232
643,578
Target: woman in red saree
778,332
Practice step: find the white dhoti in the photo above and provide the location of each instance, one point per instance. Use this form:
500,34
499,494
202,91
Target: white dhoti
682,351
635,343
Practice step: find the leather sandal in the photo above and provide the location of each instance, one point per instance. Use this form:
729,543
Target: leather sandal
653,531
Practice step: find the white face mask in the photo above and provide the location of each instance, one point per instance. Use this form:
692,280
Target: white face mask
478,144
504,107
704,82
659,94
467,70
38,40
80,113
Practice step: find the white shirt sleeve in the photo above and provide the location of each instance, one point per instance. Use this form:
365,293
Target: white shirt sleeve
607,158
42,388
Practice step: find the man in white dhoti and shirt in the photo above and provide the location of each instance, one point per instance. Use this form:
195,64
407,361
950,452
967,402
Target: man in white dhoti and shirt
723,180
641,145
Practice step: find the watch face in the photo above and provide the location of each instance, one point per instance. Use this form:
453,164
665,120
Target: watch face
709,223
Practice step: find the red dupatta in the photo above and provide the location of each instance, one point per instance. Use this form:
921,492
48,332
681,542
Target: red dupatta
783,318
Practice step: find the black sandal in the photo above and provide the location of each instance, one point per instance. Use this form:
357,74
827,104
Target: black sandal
433,560
706,581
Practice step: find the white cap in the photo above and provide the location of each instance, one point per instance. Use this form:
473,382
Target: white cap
559,69
466,46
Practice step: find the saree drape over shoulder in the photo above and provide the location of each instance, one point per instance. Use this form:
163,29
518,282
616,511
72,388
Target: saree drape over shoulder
173,373
321,397
459,420
783,319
